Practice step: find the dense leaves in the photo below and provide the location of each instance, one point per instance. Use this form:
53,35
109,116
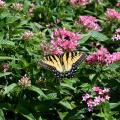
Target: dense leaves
28,30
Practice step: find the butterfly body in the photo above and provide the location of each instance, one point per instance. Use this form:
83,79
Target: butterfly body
64,65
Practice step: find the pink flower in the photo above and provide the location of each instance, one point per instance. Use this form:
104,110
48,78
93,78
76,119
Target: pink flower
89,22
2,4
118,4
31,8
116,36
5,67
107,97
97,101
27,35
85,97
112,14
63,40
115,57
17,6
80,2
24,81
96,97
102,56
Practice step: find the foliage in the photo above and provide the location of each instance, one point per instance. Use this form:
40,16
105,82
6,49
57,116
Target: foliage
44,97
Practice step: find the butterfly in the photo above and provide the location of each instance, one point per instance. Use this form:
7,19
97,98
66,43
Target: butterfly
64,65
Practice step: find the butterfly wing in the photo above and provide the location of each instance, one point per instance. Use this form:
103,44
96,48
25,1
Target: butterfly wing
71,60
53,63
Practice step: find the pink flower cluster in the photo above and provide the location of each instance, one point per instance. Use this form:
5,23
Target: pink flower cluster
102,56
27,35
17,6
96,97
112,14
5,67
80,2
61,41
116,36
118,3
24,81
89,22
2,4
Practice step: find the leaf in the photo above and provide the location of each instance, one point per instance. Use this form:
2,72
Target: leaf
52,96
112,67
23,111
7,42
7,58
66,104
98,36
9,88
84,38
114,105
2,115
1,35
5,74
37,90
40,118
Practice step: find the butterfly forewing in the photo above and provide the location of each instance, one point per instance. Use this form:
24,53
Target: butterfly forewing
53,63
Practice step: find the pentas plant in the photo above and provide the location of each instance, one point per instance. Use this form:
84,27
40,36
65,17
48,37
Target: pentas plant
96,97
2,4
89,23
112,14
102,56
80,2
61,40
116,36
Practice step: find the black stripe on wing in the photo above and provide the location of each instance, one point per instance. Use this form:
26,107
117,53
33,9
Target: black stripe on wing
52,63
81,57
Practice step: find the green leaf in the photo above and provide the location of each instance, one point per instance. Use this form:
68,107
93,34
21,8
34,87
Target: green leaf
26,113
7,58
5,74
66,104
112,67
9,88
7,42
98,36
84,38
1,35
37,90
40,118
52,96
2,115
114,105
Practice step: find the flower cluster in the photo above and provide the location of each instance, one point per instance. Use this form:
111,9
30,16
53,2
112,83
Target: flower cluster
5,67
116,36
31,8
2,4
24,81
17,6
89,23
27,35
61,41
80,2
102,56
112,14
118,3
96,97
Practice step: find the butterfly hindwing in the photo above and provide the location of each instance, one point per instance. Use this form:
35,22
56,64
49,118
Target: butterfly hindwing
75,58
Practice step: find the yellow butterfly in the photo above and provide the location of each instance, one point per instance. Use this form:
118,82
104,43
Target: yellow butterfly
64,65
